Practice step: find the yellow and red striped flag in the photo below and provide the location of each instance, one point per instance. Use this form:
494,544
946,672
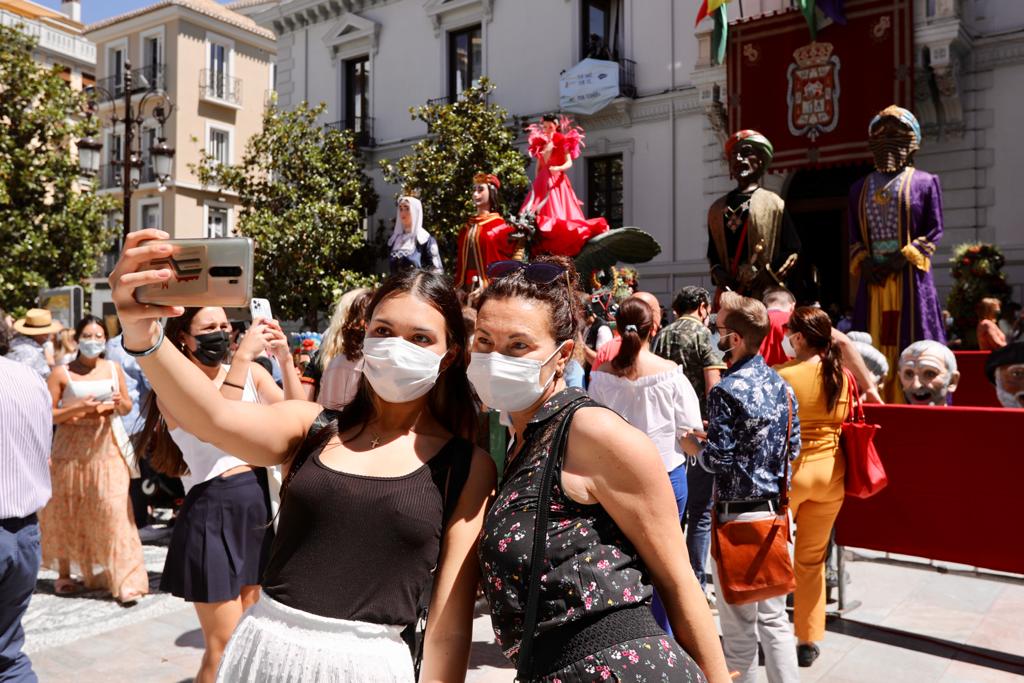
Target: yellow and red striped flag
708,7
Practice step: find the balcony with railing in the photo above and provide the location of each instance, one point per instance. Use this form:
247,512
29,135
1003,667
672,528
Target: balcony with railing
219,87
362,128
440,101
111,174
145,78
51,38
627,77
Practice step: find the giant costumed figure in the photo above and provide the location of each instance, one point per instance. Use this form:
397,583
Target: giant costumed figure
752,243
562,229
895,226
485,237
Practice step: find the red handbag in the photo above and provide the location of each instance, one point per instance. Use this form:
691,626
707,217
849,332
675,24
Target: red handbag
865,475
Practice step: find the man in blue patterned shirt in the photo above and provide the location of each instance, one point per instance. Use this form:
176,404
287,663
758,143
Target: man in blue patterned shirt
746,449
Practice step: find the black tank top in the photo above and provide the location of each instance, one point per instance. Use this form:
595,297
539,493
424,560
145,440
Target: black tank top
358,547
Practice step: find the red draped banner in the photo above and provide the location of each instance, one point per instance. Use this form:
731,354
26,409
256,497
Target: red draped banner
814,100
954,487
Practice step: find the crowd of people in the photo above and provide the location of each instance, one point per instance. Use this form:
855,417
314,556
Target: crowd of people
338,517
339,520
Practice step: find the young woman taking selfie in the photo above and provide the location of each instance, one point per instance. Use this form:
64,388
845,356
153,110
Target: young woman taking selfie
573,603
372,477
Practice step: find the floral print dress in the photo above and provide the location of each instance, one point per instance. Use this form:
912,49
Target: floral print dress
590,567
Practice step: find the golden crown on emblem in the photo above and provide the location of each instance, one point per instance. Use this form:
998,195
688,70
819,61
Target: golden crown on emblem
813,54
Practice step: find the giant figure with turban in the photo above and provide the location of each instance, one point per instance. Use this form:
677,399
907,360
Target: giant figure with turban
895,221
752,243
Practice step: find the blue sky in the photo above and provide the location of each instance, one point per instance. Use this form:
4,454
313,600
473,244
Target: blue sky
94,10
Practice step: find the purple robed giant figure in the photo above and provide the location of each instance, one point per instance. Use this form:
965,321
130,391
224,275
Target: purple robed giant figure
895,226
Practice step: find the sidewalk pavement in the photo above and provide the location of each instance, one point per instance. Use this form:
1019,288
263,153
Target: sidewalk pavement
915,623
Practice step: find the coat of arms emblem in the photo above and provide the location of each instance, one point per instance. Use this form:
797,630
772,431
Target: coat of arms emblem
813,95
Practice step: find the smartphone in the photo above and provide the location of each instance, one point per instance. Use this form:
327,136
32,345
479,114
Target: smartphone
204,272
260,308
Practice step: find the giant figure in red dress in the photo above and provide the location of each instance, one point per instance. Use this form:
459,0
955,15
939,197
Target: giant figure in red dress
485,237
562,228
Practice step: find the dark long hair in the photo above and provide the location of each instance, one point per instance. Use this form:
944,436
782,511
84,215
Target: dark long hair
353,330
635,320
154,441
816,327
449,400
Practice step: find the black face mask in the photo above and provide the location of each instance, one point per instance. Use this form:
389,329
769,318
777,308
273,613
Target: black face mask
211,348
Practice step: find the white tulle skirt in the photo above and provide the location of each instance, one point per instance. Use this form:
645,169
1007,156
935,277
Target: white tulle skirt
274,642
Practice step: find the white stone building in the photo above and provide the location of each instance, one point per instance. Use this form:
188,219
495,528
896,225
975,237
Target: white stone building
58,34
654,158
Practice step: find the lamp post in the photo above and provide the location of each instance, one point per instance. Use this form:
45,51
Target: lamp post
161,153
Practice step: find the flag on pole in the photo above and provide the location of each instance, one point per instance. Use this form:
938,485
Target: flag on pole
719,35
708,8
833,9
807,8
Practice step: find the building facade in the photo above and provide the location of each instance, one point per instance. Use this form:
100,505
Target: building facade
215,66
59,39
653,157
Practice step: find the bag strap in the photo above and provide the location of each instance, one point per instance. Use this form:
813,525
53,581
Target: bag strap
856,405
540,535
784,486
457,466
306,447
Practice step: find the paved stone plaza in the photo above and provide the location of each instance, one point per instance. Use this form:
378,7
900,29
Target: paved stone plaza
915,623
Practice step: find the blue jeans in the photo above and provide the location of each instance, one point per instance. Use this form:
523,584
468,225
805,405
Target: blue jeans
19,565
679,487
698,519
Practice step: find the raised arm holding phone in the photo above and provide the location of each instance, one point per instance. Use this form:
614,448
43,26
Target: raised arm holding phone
382,462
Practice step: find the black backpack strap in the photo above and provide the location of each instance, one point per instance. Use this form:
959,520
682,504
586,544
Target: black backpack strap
315,438
450,473
540,535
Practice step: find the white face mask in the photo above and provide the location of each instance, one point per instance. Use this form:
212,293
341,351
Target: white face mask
399,371
91,348
787,346
507,383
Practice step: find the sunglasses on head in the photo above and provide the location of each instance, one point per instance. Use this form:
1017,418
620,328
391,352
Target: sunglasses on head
539,273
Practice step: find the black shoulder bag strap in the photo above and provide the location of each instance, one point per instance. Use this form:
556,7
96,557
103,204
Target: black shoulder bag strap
322,420
540,536
457,473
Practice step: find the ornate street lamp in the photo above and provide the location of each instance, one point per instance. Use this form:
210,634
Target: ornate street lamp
89,152
161,154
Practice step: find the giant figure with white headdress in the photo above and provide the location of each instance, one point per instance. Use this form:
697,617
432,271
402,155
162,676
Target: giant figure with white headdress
895,217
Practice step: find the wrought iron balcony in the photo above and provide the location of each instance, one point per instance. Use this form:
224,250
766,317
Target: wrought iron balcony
362,128
145,78
440,101
627,77
220,87
111,174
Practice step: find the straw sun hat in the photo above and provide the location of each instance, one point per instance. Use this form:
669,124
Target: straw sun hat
37,321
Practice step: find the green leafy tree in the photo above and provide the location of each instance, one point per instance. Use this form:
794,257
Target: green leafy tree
464,138
304,195
52,233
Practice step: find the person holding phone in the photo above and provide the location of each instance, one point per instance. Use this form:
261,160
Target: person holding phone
88,525
376,496
221,538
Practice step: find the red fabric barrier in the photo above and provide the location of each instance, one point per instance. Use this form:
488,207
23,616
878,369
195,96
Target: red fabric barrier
954,487
974,388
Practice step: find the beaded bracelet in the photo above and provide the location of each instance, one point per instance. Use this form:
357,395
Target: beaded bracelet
153,348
